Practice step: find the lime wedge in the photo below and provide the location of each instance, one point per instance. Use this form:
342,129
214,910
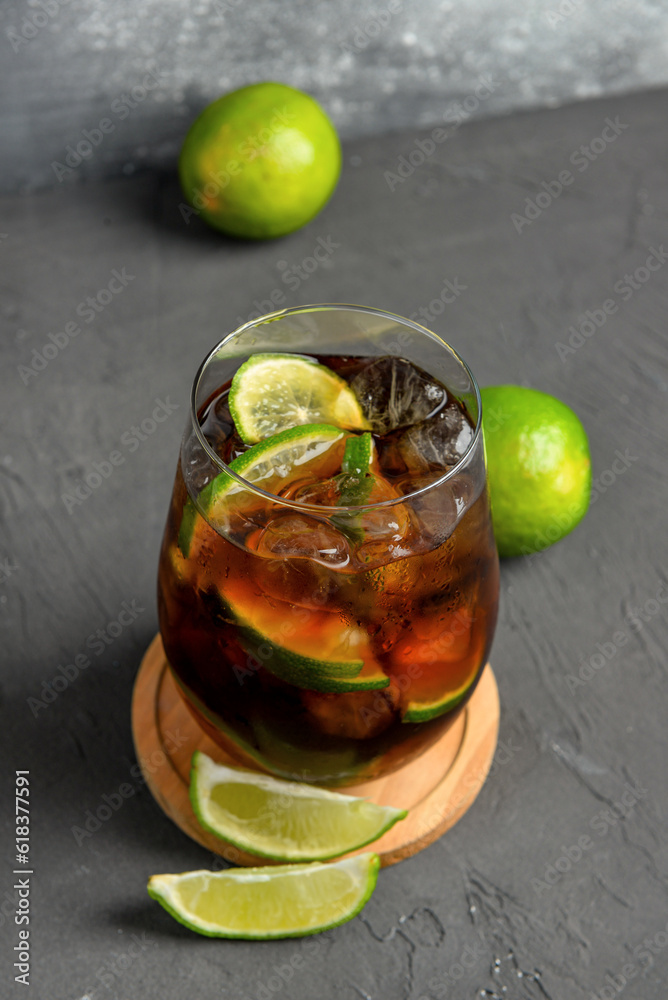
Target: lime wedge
316,651
272,392
268,463
355,483
423,711
282,820
359,455
262,903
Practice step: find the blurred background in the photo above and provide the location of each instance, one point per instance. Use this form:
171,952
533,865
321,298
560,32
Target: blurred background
375,66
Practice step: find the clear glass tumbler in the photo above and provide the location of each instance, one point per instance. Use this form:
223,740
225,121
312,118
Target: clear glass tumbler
314,639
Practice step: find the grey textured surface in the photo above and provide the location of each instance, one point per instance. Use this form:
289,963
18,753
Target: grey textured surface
374,66
496,908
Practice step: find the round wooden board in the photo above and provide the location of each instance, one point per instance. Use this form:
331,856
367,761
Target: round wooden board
437,788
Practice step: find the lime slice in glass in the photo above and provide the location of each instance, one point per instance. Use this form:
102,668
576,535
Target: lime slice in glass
435,675
359,455
265,465
282,820
310,649
356,483
273,392
423,711
270,902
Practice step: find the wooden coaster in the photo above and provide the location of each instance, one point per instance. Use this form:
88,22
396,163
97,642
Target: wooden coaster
438,787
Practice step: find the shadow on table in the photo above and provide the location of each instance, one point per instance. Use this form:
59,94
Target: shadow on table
155,195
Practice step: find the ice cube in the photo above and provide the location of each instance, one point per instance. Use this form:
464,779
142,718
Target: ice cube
439,508
322,493
305,582
395,393
345,540
357,715
298,536
438,442
379,533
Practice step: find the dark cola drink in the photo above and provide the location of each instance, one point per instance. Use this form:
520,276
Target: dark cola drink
324,640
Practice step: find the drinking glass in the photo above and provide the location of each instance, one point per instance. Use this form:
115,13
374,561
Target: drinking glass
253,593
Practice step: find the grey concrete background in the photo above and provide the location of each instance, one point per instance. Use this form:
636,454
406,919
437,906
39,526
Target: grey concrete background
502,907
375,65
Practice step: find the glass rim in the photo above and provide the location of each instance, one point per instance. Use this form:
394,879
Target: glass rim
321,508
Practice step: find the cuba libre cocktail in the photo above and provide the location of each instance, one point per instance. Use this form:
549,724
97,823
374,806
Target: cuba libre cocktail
328,579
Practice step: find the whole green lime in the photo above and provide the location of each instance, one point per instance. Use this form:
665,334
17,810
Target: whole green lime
260,162
538,465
